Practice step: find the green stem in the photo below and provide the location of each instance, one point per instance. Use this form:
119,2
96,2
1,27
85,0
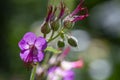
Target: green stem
54,37
32,77
44,35
47,56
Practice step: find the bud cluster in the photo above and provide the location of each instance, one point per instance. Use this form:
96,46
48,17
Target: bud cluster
61,23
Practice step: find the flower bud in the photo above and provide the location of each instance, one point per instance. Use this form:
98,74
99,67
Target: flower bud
68,24
60,44
55,25
45,28
73,41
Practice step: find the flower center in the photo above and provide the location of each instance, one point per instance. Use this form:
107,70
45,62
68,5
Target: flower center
33,50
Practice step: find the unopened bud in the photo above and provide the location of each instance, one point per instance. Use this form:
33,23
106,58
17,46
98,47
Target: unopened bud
68,24
45,28
60,44
73,41
55,25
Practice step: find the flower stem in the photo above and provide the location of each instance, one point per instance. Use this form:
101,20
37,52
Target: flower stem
44,35
54,37
47,58
32,77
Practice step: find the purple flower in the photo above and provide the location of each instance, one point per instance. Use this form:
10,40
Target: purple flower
57,73
73,17
69,75
32,48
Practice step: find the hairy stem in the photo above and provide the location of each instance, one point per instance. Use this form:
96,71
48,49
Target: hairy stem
52,34
32,77
44,35
54,37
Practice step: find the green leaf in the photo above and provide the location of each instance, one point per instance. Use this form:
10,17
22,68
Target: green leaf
53,50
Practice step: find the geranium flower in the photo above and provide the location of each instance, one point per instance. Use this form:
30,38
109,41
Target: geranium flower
32,48
57,73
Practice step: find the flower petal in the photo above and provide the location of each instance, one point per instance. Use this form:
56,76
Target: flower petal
30,38
40,43
81,17
68,75
24,55
62,10
78,8
39,57
50,9
23,45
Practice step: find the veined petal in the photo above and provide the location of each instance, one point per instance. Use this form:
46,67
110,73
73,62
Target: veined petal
23,45
40,43
24,55
30,38
40,56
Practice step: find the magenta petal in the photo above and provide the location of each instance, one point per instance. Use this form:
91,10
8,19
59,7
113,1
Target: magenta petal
40,43
62,11
38,57
69,75
30,38
78,8
23,45
77,18
24,55
49,13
